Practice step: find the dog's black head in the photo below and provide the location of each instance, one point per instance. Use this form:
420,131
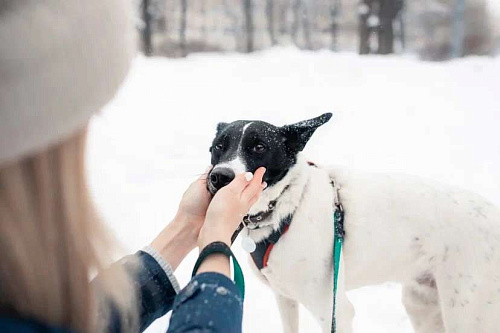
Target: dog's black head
244,146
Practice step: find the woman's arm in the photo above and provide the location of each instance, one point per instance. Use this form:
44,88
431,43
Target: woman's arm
211,302
151,269
180,236
224,215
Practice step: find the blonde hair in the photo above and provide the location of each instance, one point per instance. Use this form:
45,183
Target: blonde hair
51,242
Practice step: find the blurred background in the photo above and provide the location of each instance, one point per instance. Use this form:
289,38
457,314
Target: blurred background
432,29
413,87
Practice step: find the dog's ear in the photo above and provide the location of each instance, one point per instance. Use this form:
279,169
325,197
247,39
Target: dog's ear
297,135
221,126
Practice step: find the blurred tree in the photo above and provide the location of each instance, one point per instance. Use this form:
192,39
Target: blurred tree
301,14
182,29
235,22
283,14
458,37
401,27
334,11
438,29
377,17
388,12
386,29
306,23
270,21
296,5
147,29
248,12
364,12
203,13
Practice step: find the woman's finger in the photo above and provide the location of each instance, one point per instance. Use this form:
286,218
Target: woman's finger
254,200
240,182
255,186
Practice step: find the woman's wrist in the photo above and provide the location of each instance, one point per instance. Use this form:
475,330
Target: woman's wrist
176,241
213,233
210,233
218,229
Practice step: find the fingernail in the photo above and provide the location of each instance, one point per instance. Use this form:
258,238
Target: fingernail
264,185
248,176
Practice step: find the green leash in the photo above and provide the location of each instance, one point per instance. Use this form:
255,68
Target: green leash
239,279
220,247
338,240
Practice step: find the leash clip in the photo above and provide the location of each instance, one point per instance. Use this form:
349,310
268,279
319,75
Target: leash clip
339,220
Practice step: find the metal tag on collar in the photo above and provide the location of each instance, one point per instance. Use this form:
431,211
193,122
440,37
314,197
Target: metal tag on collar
248,243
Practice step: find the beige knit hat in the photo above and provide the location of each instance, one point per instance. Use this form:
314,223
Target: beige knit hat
60,62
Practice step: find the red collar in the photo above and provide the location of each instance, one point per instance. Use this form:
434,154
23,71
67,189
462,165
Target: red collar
270,248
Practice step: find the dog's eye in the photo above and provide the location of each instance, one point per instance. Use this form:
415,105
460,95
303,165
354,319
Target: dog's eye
219,146
259,148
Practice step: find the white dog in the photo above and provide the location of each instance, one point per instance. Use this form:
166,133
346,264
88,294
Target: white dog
441,243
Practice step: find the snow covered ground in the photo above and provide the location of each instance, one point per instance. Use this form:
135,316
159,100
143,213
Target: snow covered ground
391,114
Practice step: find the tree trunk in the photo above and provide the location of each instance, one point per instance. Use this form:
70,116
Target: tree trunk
283,11
296,21
204,20
236,23
364,10
389,11
270,21
306,25
402,29
147,29
386,29
334,10
182,30
248,12
457,49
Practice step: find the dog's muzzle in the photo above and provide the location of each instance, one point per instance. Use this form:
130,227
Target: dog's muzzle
218,178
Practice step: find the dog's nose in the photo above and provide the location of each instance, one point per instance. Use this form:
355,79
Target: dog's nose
221,177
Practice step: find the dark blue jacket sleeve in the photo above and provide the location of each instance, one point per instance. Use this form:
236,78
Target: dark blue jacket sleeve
156,294
154,290
210,303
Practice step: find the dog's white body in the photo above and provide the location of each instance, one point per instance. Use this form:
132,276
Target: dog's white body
441,243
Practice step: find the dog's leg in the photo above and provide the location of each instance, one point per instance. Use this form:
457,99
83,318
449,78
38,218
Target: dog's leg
344,315
470,301
321,304
289,311
344,312
421,301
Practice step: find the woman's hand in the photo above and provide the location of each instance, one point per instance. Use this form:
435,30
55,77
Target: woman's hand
194,203
180,236
224,215
229,205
